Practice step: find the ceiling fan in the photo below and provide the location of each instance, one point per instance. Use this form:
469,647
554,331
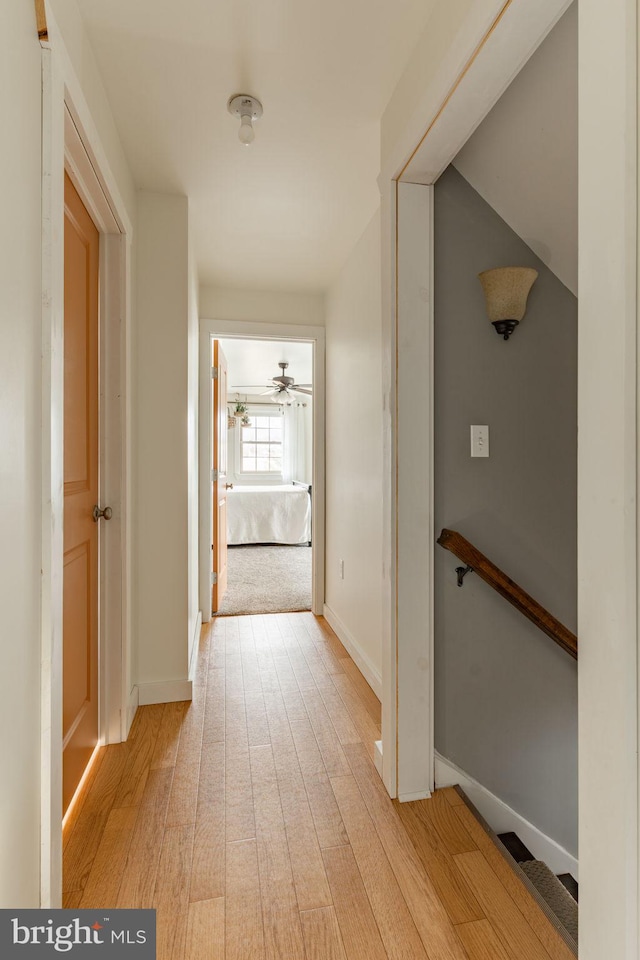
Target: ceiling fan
283,387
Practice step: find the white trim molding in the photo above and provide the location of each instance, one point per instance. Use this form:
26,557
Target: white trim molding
132,705
497,59
377,756
195,646
70,140
355,651
413,522
503,819
168,691
608,771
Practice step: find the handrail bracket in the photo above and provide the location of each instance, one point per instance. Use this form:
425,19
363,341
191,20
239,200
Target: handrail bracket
462,572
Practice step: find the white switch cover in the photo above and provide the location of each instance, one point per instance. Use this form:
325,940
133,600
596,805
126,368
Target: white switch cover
479,440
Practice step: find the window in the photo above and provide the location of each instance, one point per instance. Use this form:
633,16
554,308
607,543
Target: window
261,444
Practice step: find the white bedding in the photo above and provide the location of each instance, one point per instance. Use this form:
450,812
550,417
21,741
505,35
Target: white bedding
269,514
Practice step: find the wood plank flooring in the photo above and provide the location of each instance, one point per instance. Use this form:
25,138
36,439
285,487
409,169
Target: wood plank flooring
254,822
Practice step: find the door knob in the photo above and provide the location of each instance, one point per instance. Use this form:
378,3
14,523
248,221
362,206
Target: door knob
107,513
228,486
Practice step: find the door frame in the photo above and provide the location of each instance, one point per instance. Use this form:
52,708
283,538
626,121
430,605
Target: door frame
496,40
258,330
494,43
70,142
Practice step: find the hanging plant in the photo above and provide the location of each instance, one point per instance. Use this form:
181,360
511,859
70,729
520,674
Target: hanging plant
240,408
245,421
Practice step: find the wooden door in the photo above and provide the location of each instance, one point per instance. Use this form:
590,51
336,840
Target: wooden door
80,583
219,465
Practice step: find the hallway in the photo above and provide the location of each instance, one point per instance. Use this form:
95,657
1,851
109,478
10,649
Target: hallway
254,821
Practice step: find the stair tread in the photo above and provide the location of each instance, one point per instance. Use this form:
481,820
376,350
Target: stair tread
554,892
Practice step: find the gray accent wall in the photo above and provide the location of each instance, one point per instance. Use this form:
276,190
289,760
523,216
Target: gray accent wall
506,695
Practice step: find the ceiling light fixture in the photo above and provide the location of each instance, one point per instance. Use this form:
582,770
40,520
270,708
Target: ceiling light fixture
246,109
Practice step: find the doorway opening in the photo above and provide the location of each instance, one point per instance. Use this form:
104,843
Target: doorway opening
509,199
262,476
264,460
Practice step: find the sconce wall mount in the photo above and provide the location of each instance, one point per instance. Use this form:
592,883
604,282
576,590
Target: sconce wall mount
506,290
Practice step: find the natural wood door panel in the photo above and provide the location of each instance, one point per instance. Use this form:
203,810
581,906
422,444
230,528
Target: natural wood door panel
81,445
76,663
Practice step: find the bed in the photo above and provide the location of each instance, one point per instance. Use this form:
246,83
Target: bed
269,514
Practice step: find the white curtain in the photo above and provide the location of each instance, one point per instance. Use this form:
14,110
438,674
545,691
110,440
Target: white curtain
294,451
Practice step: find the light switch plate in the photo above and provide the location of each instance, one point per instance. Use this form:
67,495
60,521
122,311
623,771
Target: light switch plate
479,440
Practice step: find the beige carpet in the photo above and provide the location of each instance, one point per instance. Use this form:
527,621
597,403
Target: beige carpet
558,898
274,579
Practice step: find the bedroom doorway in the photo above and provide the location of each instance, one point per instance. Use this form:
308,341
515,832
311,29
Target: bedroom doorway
263,434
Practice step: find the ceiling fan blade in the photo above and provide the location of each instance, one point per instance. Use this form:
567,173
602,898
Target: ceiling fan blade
271,390
307,385
238,387
296,389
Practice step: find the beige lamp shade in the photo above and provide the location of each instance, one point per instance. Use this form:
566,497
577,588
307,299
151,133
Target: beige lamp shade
506,290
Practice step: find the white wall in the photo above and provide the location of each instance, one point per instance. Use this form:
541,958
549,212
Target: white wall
20,441
24,377
354,447
193,333
162,439
404,110
225,303
76,41
523,158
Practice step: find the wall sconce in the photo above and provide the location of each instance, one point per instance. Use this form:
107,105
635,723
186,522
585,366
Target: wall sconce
506,290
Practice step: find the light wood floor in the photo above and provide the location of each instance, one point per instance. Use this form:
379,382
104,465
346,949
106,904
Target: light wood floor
254,821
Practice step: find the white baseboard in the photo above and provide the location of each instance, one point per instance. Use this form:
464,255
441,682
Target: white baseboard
351,645
195,646
377,756
502,819
410,797
166,692
132,706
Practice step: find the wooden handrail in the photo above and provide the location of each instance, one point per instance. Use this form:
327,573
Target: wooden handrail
506,587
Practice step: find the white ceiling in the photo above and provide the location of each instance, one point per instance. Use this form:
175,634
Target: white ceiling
523,158
285,212
255,362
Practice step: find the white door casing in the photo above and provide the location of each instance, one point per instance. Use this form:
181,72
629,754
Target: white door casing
70,141
244,330
496,43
